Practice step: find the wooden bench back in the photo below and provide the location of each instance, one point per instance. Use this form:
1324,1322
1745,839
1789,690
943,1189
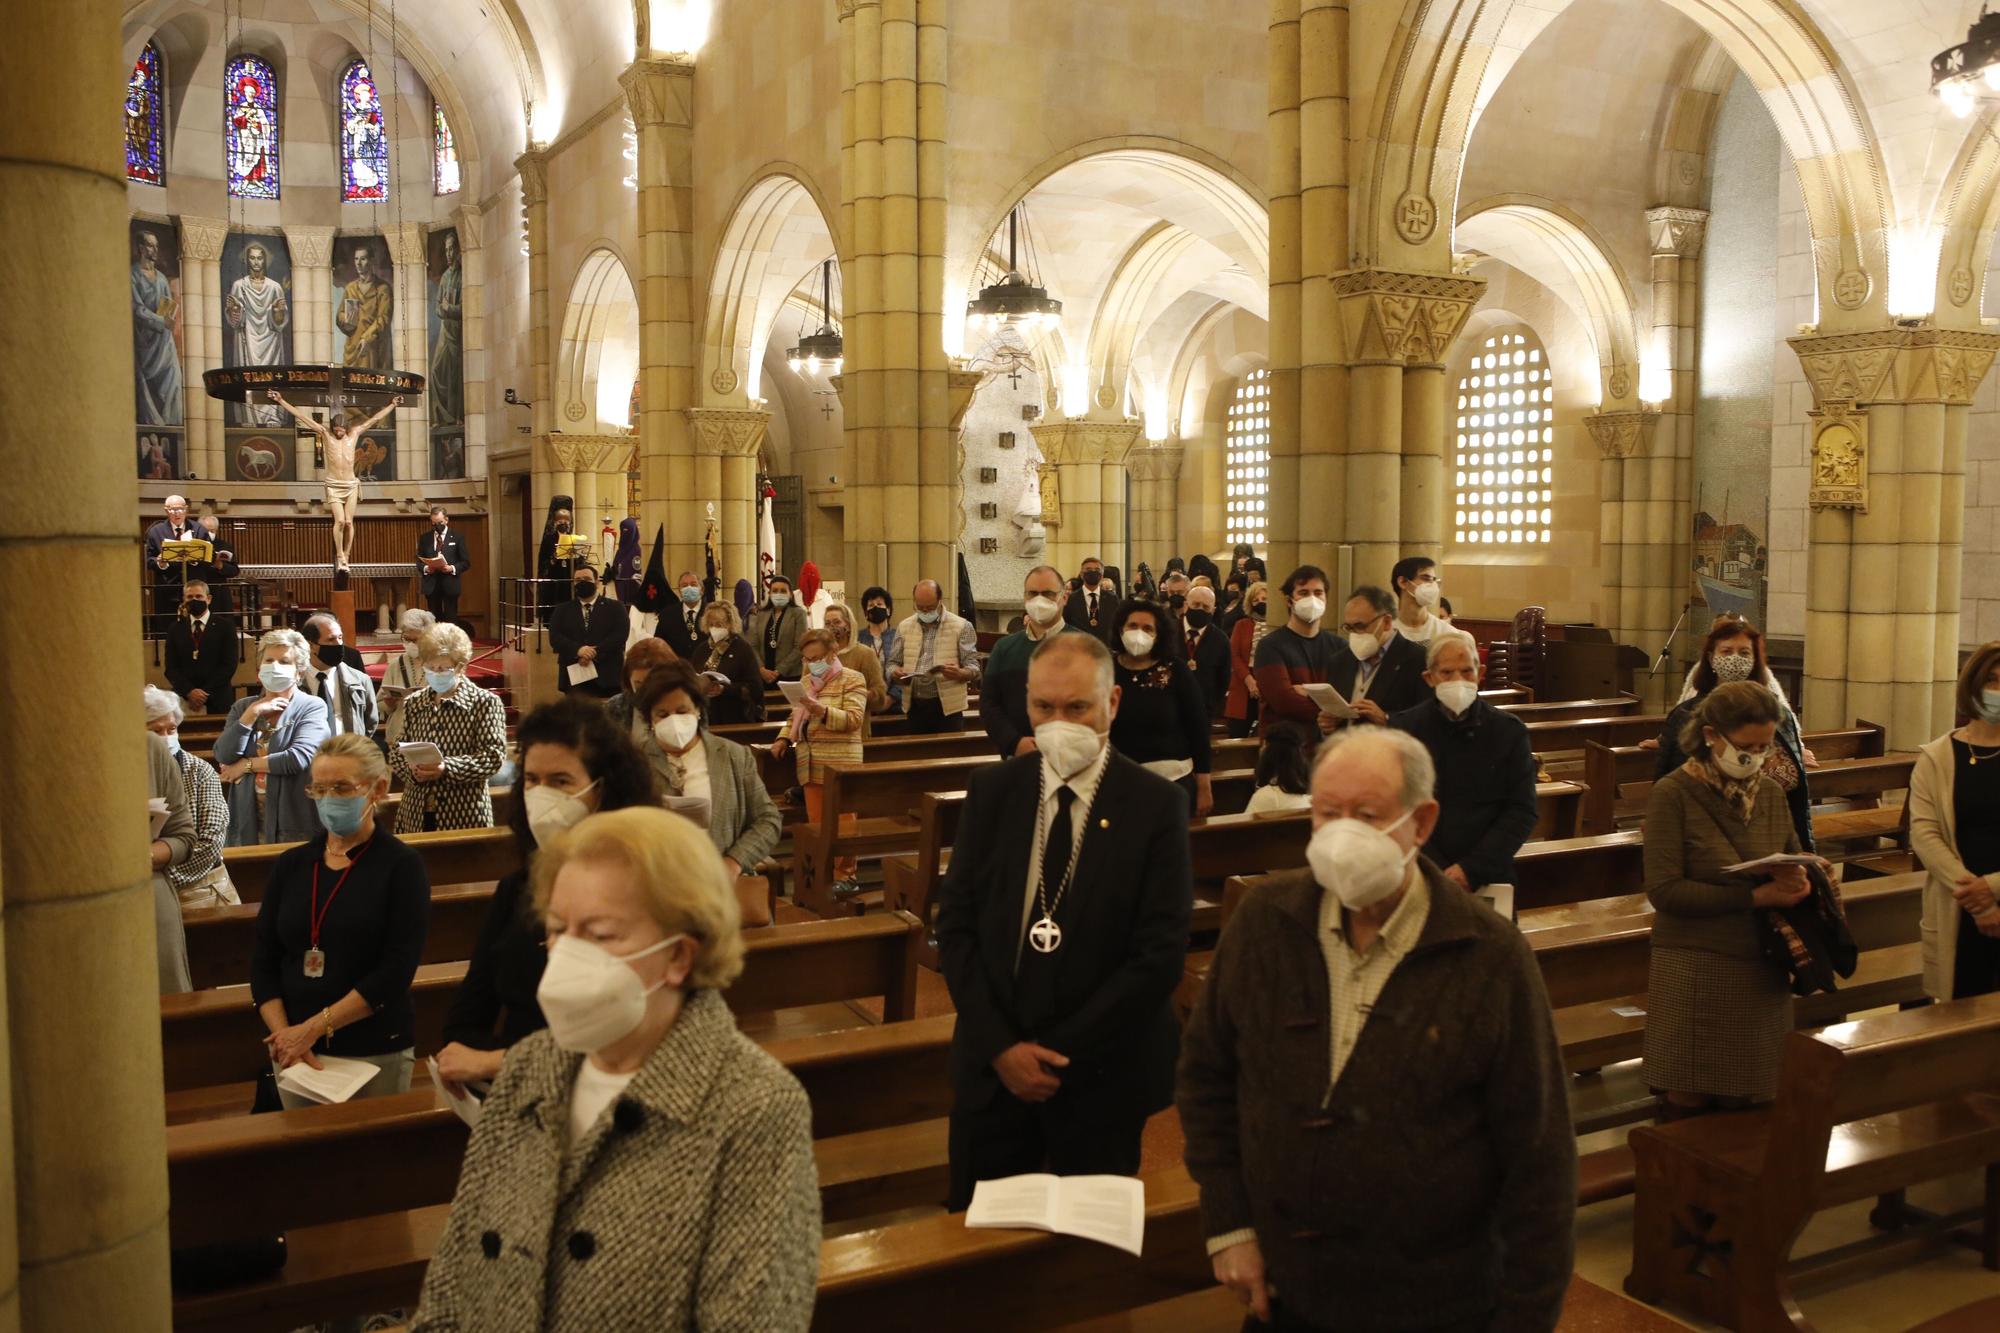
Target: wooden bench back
214,1036
879,724
459,856
1891,1061
862,1078
1609,769
1569,710
1563,736
1568,870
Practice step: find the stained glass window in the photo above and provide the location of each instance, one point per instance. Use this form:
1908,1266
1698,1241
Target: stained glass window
250,129
1504,482
145,151
364,143
1247,472
445,154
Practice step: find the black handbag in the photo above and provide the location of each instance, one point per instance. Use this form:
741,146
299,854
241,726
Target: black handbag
1809,942
200,1268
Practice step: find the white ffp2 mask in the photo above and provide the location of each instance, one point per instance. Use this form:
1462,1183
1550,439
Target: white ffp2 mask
1068,746
590,995
1357,862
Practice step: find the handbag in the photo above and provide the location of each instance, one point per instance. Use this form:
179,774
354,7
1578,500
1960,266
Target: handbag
1809,942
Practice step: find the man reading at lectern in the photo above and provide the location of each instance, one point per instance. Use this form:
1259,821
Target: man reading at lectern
342,487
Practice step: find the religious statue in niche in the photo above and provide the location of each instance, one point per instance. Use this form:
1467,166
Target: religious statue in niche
1033,533
257,313
343,487
1839,459
367,304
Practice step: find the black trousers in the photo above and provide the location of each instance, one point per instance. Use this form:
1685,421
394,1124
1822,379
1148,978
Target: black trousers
1066,1135
928,718
443,605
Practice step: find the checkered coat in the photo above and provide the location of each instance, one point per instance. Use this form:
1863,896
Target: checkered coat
692,1203
471,728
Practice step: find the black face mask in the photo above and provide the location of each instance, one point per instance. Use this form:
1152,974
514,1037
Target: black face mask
1091,577
437,525
1177,600
1258,610
878,615
329,654
585,589
197,609
1199,619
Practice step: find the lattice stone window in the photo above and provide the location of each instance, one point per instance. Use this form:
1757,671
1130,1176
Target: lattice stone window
1504,466
1249,459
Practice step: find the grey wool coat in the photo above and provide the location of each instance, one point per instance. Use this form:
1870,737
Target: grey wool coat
692,1203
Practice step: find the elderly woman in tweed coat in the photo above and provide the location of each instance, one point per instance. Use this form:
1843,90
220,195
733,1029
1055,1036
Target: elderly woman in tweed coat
467,724
635,1166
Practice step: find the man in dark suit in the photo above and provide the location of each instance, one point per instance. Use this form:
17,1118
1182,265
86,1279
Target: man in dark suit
1207,649
222,570
201,653
168,574
1093,606
1378,670
441,582
680,621
591,630
1062,932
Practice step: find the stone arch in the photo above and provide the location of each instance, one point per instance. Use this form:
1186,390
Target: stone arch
597,363
777,233
1452,58
1967,218
1555,247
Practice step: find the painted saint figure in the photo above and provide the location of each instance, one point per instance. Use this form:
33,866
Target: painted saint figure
448,357
342,486
156,358
366,305
257,312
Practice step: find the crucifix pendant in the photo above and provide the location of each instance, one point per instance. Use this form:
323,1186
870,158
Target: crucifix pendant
1045,935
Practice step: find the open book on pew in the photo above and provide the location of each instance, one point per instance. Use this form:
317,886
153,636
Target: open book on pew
1331,701
334,1082
1108,1209
466,1103
1771,862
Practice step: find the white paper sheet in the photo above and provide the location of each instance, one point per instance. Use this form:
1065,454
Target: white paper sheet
1771,862
794,690
1331,701
579,672
466,1106
1500,897
420,754
156,816
336,1082
1108,1209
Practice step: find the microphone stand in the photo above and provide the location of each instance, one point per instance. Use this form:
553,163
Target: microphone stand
1668,647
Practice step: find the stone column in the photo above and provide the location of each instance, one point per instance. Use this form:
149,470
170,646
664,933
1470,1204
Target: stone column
726,442
1089,458
660,94
1634,533
472,333
1282,517
84,1191
201,320
410,339
534,168
1887,490
1655,590
1156,472
312,293
1327,389
1395,325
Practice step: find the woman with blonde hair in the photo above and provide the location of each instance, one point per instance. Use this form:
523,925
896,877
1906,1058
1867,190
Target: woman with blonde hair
640,1163
840,623
467,724
728,654
1955,832
826,729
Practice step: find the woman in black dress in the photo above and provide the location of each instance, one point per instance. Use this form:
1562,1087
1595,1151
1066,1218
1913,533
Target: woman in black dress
729,655
1955,831
1162,722
574,762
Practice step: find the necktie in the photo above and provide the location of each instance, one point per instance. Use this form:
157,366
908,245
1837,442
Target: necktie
1056,849
1093,608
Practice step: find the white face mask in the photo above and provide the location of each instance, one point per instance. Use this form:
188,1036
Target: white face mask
1068,746
717,633
173,740
277,677
675,731
1309,609
1731,667
589,994
1735,763
1363,646
1427,595
1357,862
1458,695
781,600
1137,642
551,811
1043,610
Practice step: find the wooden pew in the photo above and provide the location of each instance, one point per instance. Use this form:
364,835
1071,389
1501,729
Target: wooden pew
878,1096
460,856
1619,777
212,1037
1565,736
1619,705
1864,1109
879,724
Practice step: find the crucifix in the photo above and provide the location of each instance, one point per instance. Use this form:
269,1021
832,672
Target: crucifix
338,442
1014,377
826,409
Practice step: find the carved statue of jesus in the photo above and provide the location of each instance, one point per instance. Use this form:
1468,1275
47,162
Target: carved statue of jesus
342,486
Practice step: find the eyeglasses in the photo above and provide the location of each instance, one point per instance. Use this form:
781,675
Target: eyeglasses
342,790
1360,626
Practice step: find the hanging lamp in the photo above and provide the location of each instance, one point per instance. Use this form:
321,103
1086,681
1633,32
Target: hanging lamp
822,351
1018,298
1964,76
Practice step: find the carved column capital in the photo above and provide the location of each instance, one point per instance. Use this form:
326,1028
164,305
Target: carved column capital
960,385
1622,434
1157,462
312,247
1080,441
1677,233
659,91
469,219
202,238
1402,318
534,168
406,243
1900,365
728,432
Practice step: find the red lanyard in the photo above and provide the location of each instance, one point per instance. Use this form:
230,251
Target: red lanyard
317,915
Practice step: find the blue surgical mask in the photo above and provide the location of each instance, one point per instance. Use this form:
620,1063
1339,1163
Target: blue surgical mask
1989,705
819,668
343,815
277,677
690,595
441,682
928,617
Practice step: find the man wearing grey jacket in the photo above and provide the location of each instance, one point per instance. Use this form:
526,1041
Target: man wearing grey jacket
174,843
1370,1084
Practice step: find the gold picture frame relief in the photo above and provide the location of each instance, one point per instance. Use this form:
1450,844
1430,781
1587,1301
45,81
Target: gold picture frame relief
1839,458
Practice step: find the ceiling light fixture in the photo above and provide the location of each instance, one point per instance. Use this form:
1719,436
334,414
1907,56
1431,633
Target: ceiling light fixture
1018,298
1966,75
823,350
